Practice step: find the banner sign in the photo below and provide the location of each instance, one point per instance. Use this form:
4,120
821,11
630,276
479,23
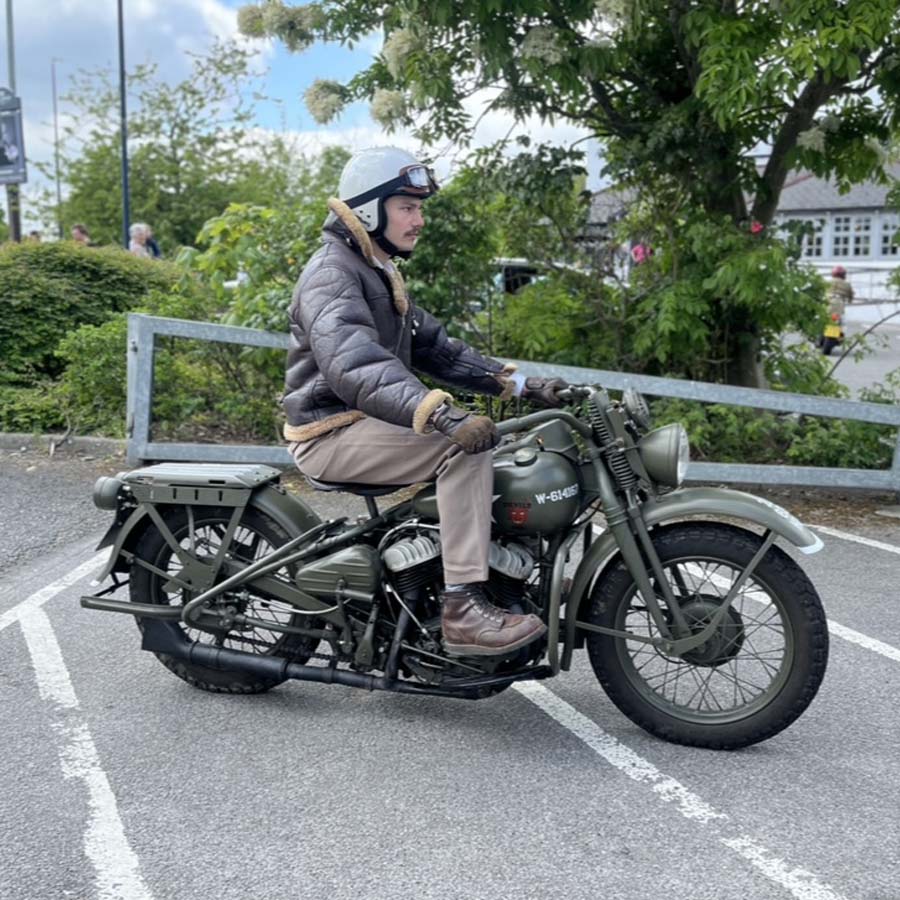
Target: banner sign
12,146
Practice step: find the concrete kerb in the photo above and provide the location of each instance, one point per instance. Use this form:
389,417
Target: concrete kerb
97,446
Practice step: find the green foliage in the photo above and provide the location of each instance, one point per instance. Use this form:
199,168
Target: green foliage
680,94
191,153
201,390
92,390
46,290
740,435
713,298
452,271
30,409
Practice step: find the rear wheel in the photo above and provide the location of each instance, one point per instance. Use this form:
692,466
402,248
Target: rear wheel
752,678
199,532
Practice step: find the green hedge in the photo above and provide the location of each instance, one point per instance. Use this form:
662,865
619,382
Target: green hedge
49,290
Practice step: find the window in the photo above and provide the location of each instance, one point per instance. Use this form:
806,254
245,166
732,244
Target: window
890,224
862,233
812,237
841,240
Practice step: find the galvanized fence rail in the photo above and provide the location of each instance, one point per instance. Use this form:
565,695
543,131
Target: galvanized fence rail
143,331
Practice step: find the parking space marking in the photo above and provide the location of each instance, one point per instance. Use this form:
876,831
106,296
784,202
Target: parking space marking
863,640
800,883
857,539
39,598
105,845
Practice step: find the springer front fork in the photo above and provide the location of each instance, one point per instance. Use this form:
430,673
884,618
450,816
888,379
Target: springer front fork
626,523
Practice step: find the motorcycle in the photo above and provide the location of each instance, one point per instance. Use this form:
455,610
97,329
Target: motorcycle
702,631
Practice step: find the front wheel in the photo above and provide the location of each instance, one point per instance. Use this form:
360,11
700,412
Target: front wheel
754,676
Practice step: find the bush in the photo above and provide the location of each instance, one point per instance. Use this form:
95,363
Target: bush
30,409
731,434
47,290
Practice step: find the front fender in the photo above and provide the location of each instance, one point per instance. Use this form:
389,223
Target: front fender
682,504
288,510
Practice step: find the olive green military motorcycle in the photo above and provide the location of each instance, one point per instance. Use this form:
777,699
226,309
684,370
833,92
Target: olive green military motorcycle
698,626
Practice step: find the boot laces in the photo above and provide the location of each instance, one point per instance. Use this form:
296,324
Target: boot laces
488,610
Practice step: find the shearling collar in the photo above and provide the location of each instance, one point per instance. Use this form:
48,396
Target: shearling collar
361,236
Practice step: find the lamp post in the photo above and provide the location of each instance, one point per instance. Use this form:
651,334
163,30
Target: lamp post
125,198
59,222
12,190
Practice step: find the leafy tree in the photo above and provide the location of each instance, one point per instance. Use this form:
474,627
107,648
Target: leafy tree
681,93
191,151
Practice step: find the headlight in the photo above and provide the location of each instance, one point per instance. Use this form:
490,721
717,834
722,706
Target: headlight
665,453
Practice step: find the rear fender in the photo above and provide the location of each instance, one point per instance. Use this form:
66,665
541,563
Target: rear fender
679,505
289,511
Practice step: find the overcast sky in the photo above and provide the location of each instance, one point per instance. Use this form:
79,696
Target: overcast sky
83,34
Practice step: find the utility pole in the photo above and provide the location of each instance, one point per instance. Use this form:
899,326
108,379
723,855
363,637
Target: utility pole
126,213
12,190
59,222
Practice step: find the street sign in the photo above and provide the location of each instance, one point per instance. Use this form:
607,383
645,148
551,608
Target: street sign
12,145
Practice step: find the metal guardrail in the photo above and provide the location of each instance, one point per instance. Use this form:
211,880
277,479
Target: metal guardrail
143,330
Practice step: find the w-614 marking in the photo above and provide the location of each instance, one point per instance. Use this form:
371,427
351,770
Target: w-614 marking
560,494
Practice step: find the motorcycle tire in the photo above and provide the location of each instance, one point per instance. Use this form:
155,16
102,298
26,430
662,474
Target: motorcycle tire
755,675
199,533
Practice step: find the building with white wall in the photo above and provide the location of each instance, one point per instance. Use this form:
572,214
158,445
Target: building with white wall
855,230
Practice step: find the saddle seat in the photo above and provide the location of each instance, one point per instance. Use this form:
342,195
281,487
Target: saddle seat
351,487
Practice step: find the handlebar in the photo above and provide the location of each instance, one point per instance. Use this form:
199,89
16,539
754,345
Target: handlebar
510,426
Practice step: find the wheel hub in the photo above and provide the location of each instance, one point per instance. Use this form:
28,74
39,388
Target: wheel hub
724,643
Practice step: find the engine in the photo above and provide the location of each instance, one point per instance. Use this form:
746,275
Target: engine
414,562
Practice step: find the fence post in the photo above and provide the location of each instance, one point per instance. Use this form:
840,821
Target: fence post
141,345
895,468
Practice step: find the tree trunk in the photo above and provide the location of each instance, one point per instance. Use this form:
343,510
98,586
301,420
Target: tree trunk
744,368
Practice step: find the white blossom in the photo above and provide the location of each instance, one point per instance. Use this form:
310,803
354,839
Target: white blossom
399,46
251,22
542,44
877,148
830,122
324,99
388,108
812,139
295,25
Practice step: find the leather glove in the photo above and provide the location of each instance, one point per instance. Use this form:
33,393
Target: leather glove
474,434
543,390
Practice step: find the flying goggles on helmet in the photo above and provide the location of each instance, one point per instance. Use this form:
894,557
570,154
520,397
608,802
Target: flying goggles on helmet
416,180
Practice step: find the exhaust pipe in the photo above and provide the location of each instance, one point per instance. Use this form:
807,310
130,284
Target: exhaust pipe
159,638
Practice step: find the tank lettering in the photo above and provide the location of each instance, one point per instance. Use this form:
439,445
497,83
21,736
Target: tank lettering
555,496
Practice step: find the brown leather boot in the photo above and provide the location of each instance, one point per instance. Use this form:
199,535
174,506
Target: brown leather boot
473,626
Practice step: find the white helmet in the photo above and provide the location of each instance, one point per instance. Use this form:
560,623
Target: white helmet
371,176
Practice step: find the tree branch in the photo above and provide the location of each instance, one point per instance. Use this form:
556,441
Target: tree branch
799,119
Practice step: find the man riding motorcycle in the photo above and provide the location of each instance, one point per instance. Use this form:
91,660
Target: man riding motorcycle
356,412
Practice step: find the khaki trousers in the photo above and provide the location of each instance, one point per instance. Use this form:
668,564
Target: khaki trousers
374,452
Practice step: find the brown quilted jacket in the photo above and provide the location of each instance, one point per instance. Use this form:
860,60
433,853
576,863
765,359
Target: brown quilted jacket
356,341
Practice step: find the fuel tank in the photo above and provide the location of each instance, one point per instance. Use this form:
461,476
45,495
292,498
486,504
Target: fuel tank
536,491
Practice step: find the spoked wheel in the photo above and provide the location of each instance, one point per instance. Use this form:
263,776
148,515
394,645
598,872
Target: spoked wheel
199,532
752,678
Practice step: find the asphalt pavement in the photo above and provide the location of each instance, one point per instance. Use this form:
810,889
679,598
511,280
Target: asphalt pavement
120,781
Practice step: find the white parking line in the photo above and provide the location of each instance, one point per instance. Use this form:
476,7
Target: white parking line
857,539
115,863
39,598
801,883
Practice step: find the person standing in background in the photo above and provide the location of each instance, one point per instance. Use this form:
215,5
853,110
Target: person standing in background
840,292
137,245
